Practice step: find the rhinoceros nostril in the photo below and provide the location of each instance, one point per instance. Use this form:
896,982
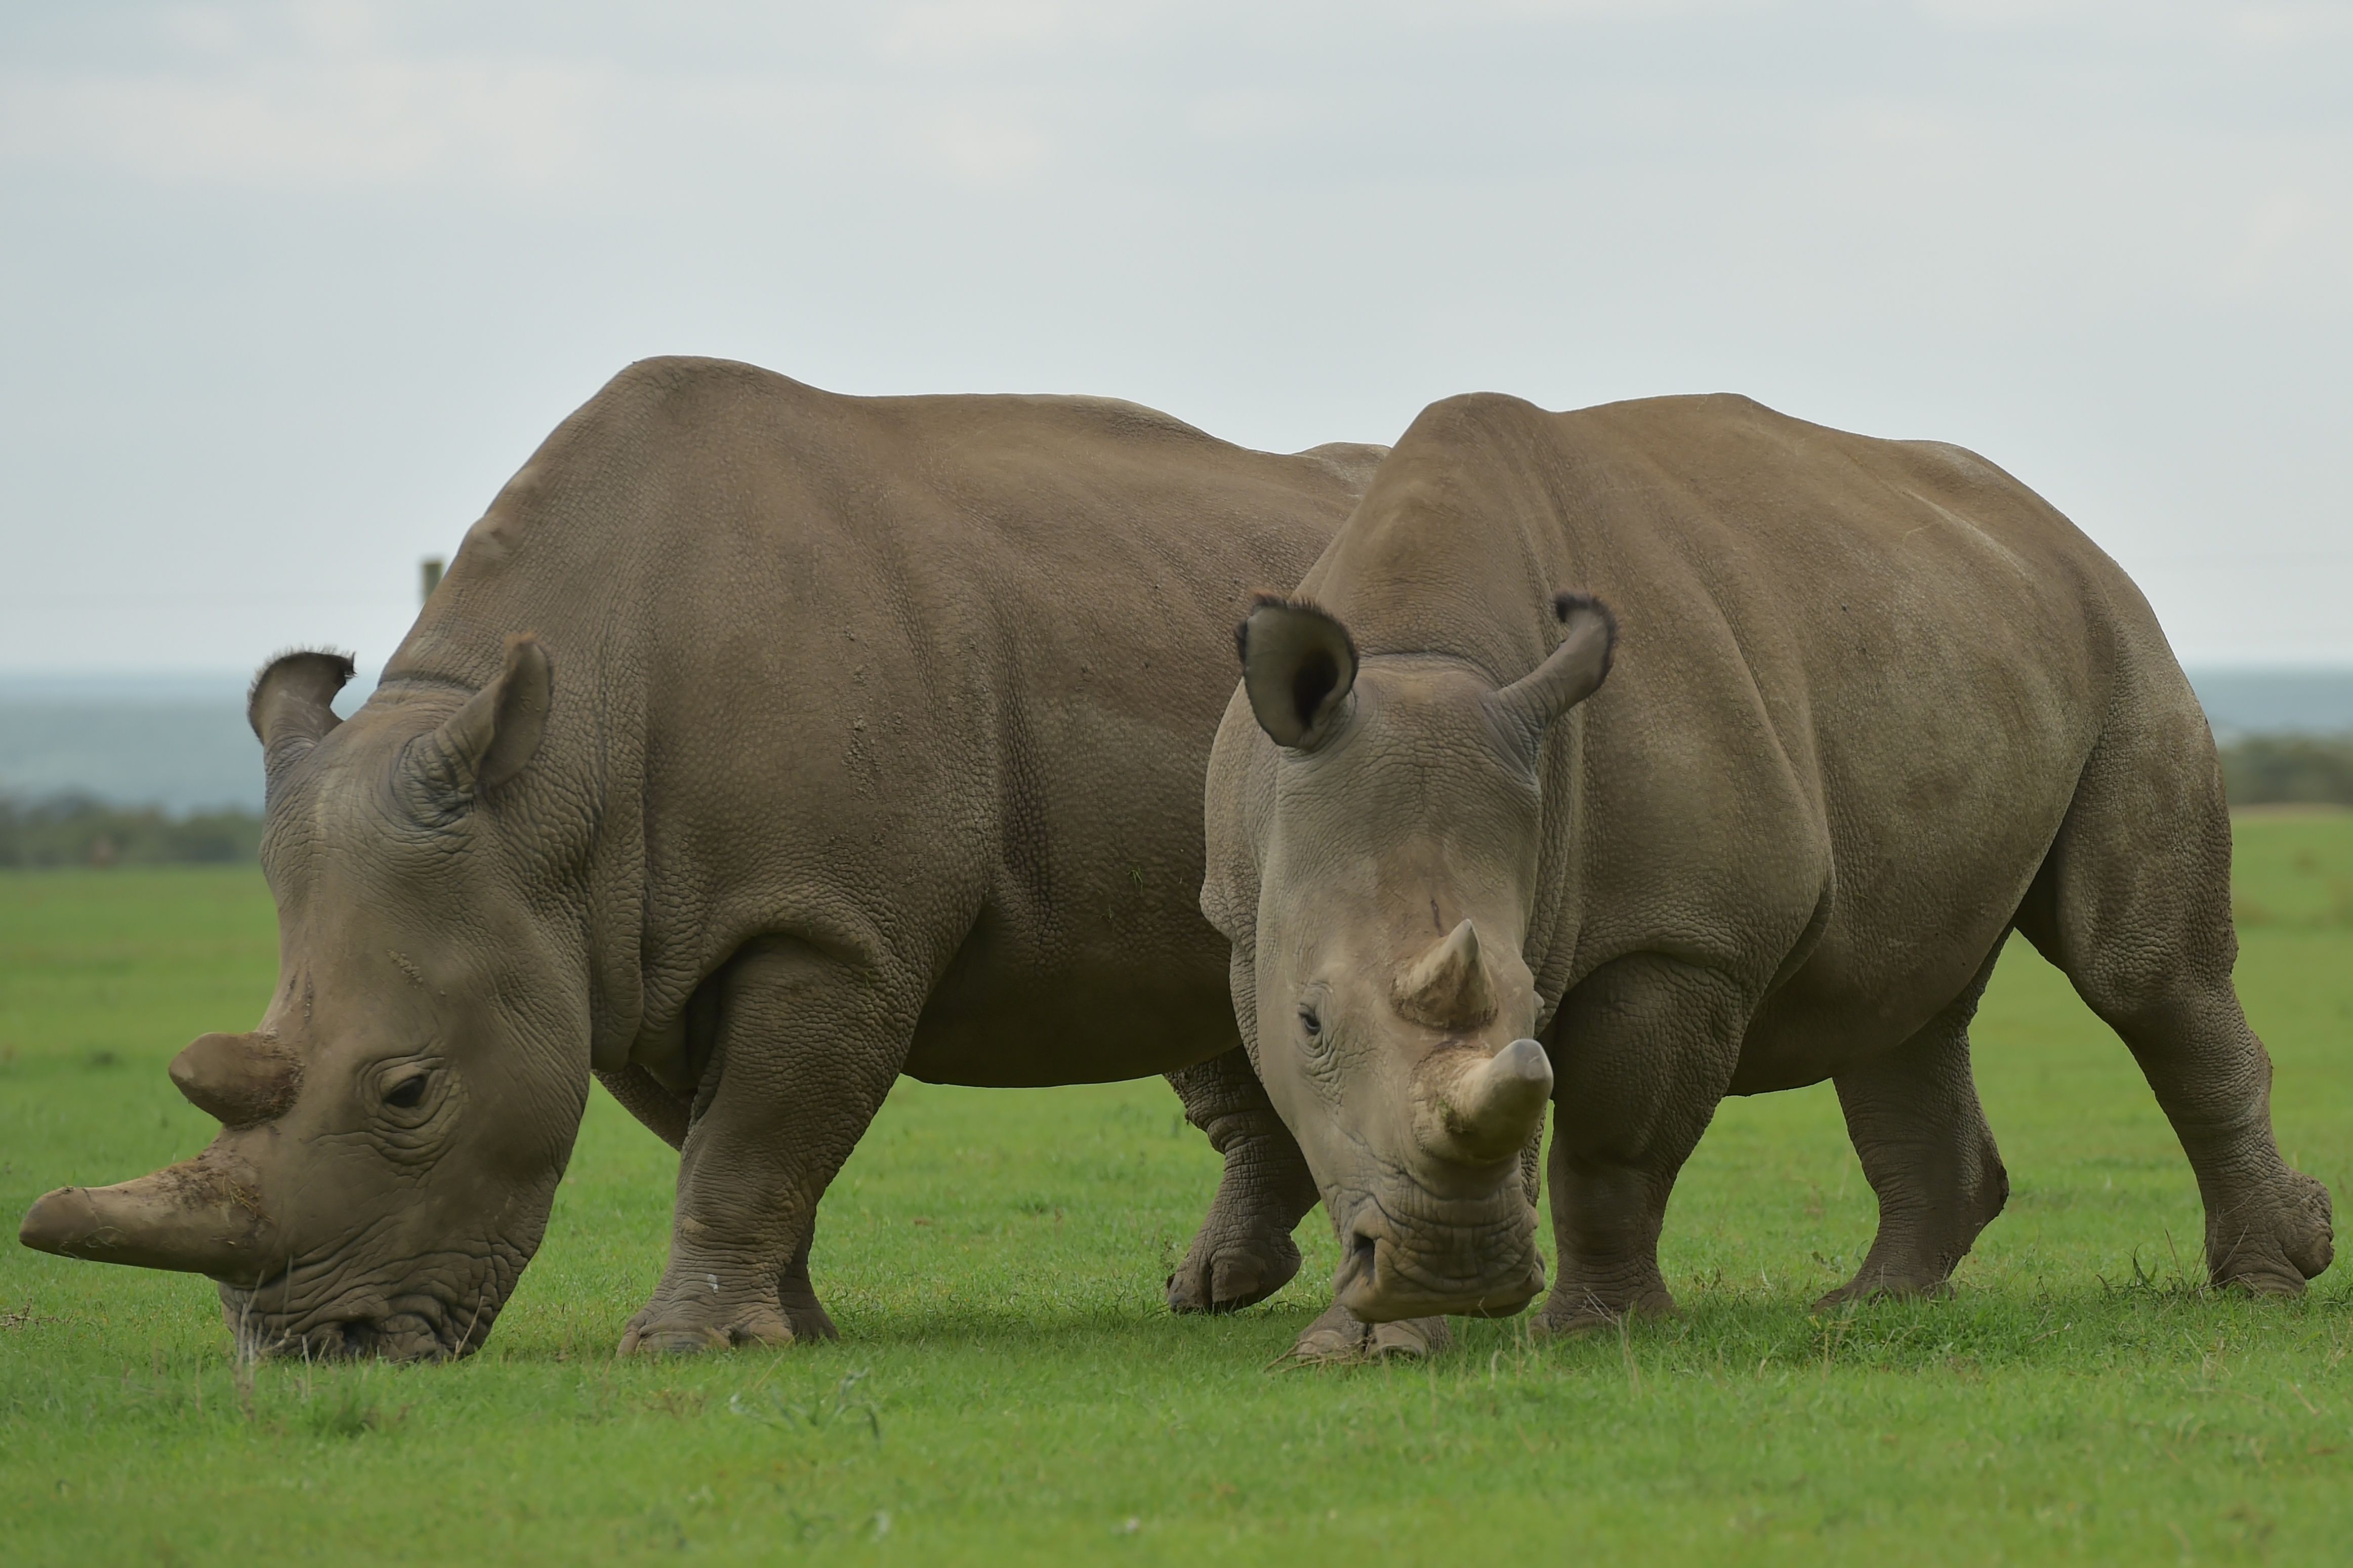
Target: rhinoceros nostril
1360,1248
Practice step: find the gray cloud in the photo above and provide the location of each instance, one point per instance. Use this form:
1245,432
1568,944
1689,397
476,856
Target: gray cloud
291,288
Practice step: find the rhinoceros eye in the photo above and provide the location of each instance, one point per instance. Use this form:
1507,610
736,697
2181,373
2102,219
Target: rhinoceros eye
1310,1022
407,1094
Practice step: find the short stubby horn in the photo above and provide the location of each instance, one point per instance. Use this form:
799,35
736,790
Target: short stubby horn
1482,1111
239,1079
189,1217
1449,987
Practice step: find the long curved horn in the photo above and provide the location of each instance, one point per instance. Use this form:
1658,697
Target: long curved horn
1485,1108
237,1080
1448,986
189,1217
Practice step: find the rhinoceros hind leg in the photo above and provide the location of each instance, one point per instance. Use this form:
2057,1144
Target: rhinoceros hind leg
2133,903
1916,1120
806,1048
1243,1252
1338,1338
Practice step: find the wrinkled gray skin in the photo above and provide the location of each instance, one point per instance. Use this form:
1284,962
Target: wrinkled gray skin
760,745
1872,706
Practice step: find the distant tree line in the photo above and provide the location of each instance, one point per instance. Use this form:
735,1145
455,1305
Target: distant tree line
2282,770
77,830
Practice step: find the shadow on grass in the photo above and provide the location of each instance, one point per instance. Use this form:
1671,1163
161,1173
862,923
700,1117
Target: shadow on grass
2145,1320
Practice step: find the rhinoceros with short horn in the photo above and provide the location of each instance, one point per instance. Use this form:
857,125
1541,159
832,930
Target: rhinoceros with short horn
760,745
1865,708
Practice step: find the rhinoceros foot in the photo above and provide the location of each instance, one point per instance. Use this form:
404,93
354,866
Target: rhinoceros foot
1231,1268
1340,1339
1888,1287
661,1329
1410,1338
2273,1253
1581,1310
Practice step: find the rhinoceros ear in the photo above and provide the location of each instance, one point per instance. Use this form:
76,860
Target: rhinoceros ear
291,704
1299,665
1569,674
487,741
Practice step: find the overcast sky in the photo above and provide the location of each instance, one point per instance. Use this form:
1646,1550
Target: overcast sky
288,290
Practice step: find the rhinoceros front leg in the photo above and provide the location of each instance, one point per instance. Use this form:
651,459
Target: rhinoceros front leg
805,1051
1643,1050
1243,1253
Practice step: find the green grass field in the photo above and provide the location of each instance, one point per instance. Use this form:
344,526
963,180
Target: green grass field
1008,1386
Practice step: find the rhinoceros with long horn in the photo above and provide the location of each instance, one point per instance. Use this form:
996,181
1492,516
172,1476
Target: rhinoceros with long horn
760,745
1633,757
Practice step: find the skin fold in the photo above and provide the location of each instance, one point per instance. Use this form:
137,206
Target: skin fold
759,746
1740,745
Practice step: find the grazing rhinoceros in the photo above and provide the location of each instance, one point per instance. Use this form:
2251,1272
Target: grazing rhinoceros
760,745
1874,705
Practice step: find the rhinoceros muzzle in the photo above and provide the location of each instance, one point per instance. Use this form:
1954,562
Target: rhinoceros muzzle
1449,1228
1415,1253
412,1328
1485,1271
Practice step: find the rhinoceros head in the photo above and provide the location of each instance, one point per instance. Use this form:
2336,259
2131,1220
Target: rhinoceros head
1396,856
392,1131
